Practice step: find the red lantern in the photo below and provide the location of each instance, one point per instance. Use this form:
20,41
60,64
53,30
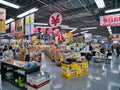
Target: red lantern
57,32
43,30
49,31
35,30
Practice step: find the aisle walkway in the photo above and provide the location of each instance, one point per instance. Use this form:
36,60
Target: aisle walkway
101,77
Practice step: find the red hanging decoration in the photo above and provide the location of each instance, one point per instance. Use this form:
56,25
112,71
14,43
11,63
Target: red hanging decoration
35,30
60,38
43,30
57,32
49,31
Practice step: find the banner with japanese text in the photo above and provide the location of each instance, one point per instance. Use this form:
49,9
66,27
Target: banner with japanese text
29,24
20,28
110,20
3,19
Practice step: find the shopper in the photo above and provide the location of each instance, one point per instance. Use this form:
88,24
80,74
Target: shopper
9,54
5,48
68,47
76,48
87,47
109,53
118,50
102,50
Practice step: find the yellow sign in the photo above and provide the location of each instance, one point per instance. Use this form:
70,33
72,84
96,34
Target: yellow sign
3,27
2,18
19,26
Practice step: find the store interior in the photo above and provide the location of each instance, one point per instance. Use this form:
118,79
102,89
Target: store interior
59,45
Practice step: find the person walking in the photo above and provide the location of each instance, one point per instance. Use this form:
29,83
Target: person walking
118,50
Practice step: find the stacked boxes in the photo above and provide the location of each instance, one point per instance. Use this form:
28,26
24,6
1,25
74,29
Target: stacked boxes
74,70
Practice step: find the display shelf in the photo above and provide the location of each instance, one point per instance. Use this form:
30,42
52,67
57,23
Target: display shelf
16,67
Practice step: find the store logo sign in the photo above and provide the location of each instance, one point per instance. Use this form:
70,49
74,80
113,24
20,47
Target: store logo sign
110,20
55,20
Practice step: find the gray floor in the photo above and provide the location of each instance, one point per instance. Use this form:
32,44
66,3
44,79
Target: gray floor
101,77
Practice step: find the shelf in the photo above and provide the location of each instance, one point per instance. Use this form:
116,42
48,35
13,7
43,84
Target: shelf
12,82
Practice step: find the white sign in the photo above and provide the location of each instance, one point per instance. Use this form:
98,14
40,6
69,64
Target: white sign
110,20
55,20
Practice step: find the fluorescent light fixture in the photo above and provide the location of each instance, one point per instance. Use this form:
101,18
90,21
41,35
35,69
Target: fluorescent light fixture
83,32
64,26
42,27
88,28
28,12
112,10
9,20
41,24
75,34
9,4
109,30
73,30
100,3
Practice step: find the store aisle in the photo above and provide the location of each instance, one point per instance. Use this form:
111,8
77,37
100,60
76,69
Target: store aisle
101,77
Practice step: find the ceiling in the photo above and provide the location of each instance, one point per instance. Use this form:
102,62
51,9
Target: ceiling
76,13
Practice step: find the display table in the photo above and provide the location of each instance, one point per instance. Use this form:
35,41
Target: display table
15,72
38,81
74,69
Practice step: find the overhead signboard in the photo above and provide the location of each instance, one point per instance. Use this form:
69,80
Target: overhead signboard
110,20
55,20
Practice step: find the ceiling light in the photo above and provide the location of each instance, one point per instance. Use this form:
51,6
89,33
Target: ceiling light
75,34
83,32
89,28
42,27
73,30
112,10
64,26
9,4
9,20
28,12
100,3
40,24
109,30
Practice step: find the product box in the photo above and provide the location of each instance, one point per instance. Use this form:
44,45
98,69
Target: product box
38,81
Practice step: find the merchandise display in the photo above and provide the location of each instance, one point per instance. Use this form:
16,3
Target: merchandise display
44,43
74,69
15,71
38,81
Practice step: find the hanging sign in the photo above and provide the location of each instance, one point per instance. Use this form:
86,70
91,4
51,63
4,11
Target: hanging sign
55,20
35,30
3,19
13,28
29,24
110,20
57,32
43,30
20,28
49,31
